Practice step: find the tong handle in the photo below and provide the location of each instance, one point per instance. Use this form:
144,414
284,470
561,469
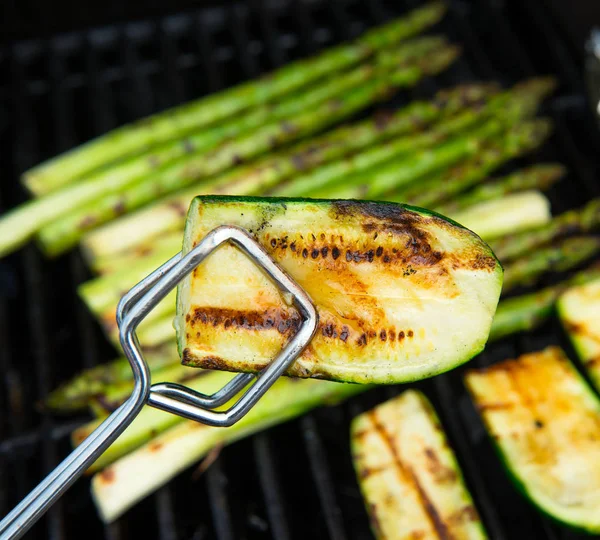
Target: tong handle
30,509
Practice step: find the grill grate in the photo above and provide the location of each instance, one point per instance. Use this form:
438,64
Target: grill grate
296,480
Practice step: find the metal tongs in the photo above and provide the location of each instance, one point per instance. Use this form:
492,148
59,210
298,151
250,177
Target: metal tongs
173,398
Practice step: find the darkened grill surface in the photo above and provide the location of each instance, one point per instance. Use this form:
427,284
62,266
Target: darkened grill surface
296,480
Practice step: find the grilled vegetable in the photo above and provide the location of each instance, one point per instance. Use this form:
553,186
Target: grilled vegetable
527,312
78,392
169,213
402,294
561,257
579,221
544,420
441,186
579,311
120,485
116,197
408,475
501,112
137,137
515,212
536,177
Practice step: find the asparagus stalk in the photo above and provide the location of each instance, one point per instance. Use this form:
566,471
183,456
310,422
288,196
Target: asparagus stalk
76,393
443,186
561,257
137,137
578,221
169,213
115,198
529,311
507,108
120,485
539,177
515,212
107,401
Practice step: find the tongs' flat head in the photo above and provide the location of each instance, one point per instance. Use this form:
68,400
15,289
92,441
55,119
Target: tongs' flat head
178,399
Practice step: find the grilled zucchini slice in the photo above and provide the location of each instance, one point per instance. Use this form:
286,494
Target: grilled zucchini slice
408,475
401,293
545,422
579,311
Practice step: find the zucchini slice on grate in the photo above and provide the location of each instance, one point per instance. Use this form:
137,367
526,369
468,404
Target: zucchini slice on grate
402,293
579,311
408,475
545,422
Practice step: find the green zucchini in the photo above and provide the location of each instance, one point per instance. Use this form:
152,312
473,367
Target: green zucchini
579,311
545,422
408,475
402,293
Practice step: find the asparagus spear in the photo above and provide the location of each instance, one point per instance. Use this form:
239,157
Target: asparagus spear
507,108
131,478
112,199
579,221
561,257
169,213
515,212
77,392
137,137
527,312
539,177
442,186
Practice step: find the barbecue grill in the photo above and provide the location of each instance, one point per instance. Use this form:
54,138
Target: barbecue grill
296,480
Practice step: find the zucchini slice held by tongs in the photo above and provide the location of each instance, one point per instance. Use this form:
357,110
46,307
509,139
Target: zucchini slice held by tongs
545,421
401,293
408,475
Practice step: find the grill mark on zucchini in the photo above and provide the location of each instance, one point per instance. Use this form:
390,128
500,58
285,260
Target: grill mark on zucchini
407,473
288,322
284,321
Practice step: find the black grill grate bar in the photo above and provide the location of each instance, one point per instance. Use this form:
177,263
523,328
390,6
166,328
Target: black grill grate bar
272,36
216,482
101,99
561,60
22,443
15,384
163,500
207,52
270,485
320,471
174,88
451,420
305,24
376,11
246,50
137,99
472,46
